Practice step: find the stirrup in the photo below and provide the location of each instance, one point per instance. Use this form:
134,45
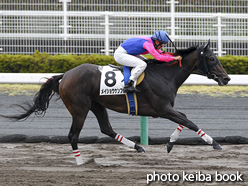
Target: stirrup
130,89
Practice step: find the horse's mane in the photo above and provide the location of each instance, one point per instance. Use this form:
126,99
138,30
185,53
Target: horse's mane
185,52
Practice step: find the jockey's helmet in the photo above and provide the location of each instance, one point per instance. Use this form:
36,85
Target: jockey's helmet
161,36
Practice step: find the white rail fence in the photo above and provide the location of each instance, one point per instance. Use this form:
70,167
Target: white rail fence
39,78
74,27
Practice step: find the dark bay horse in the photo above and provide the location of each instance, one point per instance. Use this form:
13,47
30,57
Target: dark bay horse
79,90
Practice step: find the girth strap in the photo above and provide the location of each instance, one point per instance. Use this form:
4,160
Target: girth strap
130,96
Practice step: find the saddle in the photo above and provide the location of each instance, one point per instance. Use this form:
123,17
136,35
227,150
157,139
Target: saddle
140,78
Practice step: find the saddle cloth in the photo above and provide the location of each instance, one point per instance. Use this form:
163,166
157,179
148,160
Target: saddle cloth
113,80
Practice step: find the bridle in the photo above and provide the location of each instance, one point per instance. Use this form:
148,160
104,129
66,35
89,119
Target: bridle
203,67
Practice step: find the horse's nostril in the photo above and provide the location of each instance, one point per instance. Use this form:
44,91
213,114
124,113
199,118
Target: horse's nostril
227,79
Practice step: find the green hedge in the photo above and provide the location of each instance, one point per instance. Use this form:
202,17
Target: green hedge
45,63
235,64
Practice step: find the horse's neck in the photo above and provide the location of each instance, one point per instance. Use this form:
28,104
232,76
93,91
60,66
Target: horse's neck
190,61
174,75
188,64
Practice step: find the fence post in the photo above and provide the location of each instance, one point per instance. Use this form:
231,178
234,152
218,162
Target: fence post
219,25
0,24
107,14
172,27
144,130
65,26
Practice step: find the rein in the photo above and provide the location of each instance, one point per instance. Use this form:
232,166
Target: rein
175,62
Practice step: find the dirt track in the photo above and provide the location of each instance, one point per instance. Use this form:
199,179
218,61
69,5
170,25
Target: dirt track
50,164
111,164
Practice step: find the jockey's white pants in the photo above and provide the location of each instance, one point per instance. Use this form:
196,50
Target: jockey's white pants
122,57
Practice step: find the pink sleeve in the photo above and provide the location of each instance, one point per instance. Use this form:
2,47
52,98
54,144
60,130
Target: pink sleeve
156,53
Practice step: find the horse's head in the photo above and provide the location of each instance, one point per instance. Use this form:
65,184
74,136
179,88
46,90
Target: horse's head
209,65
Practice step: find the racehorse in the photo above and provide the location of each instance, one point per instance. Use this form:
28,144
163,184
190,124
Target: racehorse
79,90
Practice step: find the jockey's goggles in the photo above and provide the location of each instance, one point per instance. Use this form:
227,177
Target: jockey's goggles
161,43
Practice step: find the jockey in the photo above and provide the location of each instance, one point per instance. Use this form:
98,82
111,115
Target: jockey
129,54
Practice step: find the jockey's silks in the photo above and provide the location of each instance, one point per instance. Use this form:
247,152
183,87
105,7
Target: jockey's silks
144,45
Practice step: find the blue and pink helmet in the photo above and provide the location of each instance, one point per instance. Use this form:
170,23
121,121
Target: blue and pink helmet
161,36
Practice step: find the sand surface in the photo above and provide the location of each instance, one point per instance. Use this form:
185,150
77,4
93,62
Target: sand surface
48,164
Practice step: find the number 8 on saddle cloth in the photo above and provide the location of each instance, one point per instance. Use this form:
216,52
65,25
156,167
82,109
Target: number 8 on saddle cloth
112,83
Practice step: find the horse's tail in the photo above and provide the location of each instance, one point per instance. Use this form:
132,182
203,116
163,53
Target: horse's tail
41,99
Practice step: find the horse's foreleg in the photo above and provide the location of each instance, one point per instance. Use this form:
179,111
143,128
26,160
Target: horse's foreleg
102,117
209,140
173,138
180,118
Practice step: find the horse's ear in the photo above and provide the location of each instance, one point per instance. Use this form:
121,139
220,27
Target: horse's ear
206,45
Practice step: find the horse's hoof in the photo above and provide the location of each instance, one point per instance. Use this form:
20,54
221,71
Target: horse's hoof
169,146
216,145
139,149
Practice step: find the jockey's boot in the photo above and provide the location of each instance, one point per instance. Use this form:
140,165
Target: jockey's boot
129,87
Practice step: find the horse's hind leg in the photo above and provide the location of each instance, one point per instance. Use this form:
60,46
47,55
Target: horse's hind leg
103,120
76,127
79,113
